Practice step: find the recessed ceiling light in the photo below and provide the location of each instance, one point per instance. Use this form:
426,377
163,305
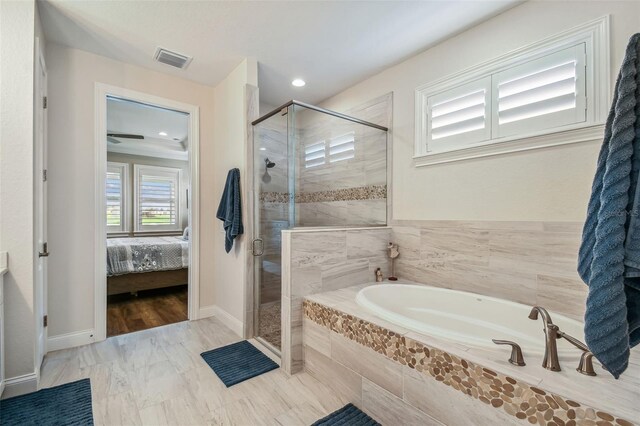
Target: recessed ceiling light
298,82
263,149
163,133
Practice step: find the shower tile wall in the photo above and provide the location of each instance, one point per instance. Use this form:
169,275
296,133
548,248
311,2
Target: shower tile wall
351,192
526,262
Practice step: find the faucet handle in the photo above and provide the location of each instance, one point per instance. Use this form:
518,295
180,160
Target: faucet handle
586,364
516,357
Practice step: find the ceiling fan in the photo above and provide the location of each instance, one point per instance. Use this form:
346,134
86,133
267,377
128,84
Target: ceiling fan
111,137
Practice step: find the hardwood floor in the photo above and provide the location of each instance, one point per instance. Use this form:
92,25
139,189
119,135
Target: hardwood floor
157,377
150,308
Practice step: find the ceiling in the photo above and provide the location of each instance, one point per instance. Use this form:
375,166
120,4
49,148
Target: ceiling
330,44
149,121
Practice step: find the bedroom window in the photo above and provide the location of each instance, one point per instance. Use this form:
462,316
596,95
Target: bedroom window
116,193
549,93
157,199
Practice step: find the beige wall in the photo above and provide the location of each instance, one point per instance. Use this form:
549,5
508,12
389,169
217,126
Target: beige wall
228,270
542,185
17,29
72,77
154,161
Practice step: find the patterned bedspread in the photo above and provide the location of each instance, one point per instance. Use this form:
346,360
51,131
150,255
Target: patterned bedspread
146,254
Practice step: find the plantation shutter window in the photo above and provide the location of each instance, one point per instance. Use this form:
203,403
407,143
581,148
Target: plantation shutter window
342,147
314,155
116,184
459,116
157,198
541,94
552,92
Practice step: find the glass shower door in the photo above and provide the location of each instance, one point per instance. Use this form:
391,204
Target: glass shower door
272,214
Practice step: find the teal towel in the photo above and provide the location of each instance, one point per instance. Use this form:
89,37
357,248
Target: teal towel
230,209
609,257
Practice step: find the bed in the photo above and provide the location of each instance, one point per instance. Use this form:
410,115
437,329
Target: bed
145,263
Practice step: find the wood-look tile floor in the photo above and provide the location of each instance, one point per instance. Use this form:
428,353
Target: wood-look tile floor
157,377
150,308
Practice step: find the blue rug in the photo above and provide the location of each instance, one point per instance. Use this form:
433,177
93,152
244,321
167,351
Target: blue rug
238,362
63,405
349,415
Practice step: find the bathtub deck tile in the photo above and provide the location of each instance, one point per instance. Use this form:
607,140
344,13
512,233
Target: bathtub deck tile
332,298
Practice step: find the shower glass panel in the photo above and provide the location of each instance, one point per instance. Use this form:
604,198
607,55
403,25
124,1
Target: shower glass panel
312,168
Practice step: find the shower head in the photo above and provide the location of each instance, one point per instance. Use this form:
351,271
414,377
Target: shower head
270,164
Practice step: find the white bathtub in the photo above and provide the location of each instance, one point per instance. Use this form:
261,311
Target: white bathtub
466,318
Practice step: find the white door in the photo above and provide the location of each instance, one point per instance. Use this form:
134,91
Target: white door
40,294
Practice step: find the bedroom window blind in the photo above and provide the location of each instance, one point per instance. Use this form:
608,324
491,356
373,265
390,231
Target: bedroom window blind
157,198
116,197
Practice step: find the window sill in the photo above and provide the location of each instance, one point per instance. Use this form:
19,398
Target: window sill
509,145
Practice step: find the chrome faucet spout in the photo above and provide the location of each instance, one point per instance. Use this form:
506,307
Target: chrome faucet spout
550,361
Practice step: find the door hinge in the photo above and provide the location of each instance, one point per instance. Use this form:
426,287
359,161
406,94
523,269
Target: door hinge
44,102
45,250
44,175
45,320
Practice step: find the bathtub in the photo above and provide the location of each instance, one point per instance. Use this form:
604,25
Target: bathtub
465,318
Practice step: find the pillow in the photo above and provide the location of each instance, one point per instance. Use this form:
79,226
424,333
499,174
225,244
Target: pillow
185,234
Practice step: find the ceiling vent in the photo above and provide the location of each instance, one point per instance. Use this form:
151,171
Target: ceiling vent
172,58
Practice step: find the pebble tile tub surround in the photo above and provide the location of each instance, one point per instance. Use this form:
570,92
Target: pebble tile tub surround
502,392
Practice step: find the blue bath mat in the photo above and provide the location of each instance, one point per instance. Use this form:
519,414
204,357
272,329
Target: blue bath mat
63,405
349,415
238,362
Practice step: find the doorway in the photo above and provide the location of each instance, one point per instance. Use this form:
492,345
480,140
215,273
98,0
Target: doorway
40,179
148,212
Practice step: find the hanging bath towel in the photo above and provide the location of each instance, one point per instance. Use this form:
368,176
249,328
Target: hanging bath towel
230,209
609,258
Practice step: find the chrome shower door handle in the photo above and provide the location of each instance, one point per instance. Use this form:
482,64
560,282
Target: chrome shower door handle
253,247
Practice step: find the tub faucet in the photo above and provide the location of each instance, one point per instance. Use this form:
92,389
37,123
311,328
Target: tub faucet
550,361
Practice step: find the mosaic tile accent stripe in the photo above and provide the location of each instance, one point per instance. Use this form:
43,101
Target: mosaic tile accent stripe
274,197
373,192
516,398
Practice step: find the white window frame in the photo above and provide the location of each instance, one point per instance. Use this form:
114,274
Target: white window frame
594,35
125,213
159,171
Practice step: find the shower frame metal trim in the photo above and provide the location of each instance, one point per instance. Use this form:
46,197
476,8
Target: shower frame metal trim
318,109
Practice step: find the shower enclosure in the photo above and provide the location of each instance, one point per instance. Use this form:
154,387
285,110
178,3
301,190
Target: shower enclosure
312,168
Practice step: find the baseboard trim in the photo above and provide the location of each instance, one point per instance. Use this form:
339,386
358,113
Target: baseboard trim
20,385
206,312
70,340
225,317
